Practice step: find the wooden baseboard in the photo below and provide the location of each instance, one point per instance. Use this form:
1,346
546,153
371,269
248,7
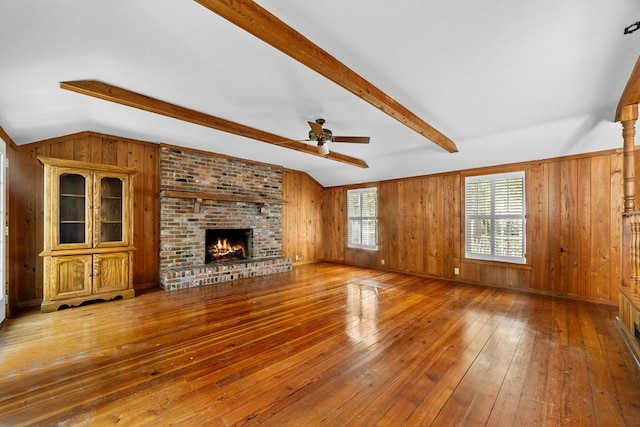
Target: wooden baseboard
150,285
29,303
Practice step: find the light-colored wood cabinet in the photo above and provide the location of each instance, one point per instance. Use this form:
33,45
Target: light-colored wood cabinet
88,232
70,277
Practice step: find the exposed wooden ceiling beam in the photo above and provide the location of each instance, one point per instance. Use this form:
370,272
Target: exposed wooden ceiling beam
631,93
126,97
254,19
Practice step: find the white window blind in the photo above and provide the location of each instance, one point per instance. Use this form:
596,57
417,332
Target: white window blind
495,217
362,213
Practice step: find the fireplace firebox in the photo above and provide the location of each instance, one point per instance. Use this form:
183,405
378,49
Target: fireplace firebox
223,245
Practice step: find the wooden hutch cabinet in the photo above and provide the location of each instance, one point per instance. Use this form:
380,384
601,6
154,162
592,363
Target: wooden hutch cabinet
88,232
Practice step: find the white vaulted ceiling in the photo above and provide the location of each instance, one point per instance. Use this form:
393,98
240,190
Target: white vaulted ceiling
506,80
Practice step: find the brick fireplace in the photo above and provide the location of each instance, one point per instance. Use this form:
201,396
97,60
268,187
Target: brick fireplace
201,192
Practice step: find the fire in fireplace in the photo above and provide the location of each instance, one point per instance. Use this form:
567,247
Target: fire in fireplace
222,245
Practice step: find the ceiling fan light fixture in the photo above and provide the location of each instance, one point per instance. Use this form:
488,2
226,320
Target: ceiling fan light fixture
323,149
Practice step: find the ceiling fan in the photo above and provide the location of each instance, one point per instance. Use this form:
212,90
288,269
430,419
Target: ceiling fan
321,136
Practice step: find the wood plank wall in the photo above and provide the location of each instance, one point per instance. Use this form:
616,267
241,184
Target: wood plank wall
301,217
573,224
574,216
26,206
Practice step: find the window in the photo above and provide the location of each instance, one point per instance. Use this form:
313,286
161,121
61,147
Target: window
362,212
495,217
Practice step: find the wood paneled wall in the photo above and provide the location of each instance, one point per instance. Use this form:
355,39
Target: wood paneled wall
26,206
302,237
574,207
573,221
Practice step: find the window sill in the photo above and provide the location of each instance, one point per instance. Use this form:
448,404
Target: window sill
515,265
357,248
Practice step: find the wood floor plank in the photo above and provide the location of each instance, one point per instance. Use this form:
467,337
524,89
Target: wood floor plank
567,385
475,395
505,409
397,401
620,363
370,387
326,344
336,366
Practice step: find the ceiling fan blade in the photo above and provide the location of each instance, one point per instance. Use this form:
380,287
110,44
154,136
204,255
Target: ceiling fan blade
316,128
352,139
256,20
126,97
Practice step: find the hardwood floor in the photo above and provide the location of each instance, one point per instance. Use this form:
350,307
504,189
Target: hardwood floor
323,345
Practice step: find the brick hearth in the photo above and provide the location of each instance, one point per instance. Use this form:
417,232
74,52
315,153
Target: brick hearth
211,274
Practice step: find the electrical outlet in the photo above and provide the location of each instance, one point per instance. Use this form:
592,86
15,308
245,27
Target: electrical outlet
382,261
456,270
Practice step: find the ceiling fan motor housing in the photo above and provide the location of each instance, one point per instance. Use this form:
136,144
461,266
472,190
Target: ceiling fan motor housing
327,135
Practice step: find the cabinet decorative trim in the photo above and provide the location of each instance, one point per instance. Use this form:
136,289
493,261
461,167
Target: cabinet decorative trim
52,161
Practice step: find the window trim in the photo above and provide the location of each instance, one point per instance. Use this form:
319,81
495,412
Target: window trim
516,261
360,191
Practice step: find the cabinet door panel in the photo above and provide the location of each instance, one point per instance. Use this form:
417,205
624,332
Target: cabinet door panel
71,200
111,272
71,276
111,216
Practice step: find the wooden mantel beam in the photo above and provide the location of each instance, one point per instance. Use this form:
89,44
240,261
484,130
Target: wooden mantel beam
126,97
256,20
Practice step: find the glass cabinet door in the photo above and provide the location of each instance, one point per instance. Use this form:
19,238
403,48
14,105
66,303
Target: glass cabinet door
110,215
74,200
